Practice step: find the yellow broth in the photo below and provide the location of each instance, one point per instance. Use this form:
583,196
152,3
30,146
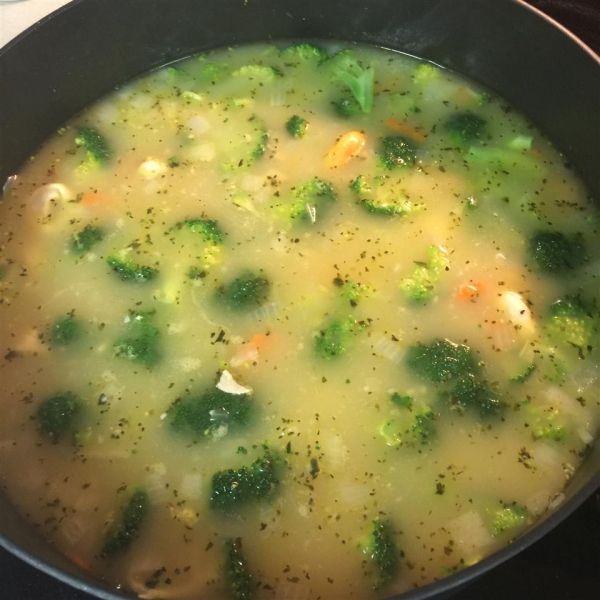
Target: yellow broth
181,142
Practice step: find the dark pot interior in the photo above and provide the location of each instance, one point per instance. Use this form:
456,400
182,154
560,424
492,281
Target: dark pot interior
83,51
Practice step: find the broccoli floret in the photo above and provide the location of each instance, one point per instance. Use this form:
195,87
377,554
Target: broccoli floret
441,360
382,197
120,537
231,489
97,149
346,107
56,415
212,72
350,290
241,583
247,145
213,412
140,342
402,401
420,286
86,239
336,337
262,139
346,69
425,72
127,270
410,429
465,128
296,126
546,423
303,52
65,330
470,392
507,518
569,321
397,151
381,549
311,199
246,291
260,73
553,252
207,228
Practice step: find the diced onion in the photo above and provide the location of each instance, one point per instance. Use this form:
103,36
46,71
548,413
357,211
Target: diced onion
470,533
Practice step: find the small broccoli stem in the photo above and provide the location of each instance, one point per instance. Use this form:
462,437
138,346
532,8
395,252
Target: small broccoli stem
336,337
240,580
381,549
122,534
245,292
83,241
140,342
65,330
127,270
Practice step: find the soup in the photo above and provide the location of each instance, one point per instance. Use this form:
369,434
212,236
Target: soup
296,323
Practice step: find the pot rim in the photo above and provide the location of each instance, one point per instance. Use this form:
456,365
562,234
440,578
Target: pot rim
96,587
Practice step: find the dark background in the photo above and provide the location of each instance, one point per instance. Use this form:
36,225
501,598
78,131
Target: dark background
565,565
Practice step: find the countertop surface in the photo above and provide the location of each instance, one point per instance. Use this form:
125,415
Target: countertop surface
565,565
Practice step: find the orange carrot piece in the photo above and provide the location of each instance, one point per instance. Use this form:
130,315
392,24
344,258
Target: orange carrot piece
346,148
405,129
470,291
94,199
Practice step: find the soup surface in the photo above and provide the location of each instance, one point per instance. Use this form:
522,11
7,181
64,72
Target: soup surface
294,324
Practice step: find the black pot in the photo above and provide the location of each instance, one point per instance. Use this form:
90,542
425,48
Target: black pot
84,50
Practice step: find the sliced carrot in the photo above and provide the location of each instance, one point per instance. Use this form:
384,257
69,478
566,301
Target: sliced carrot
80,562
346,148
250,352
261,340
405,129
94,199
464,97
470,291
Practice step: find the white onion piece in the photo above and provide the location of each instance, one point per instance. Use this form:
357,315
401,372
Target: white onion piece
204,152
198,124
229,385
518,311
191,486
560,498
586,437
469,532
152,168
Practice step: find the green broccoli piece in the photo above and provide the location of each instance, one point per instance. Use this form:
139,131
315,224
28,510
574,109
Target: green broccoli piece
345,68
502,161
397,151
465,128
553,252
470,392
570,321
127,270
298,53
260,73
525,375
346,107
65,330
83,241
336,337
212,72
210,413
441,360
381,550
231,489
425,72
310,200
420,286
296,126
133,514
262,139
402,401
207,228
98,151
351,291
196,273
507,518
382,197
246,291
56,415
410,429
241,583
546,423
140,342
